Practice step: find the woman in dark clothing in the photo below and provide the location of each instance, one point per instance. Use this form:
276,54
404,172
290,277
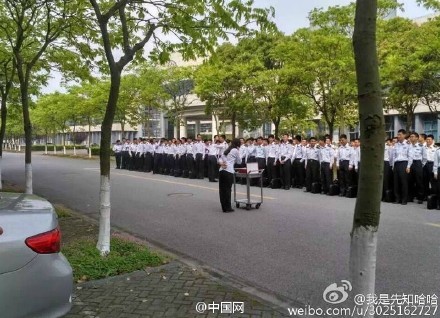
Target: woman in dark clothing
226,174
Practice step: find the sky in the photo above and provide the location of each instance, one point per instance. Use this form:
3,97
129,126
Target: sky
290,15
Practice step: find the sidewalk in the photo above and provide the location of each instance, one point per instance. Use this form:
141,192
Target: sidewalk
171,290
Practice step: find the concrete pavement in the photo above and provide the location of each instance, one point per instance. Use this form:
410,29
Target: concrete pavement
295,245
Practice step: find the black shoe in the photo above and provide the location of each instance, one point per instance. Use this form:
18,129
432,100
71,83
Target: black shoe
420,201
213,181
287,188
404,203
396,202
228,210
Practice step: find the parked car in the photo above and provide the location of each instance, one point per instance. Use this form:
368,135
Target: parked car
35,278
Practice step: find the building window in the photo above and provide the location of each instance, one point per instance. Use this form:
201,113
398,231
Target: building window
354,132
430,128
389,126
267,129
205,128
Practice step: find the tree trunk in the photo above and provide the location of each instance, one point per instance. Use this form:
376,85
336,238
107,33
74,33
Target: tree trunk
64,143
276,123
106,131
233,124
4,114
367,211
74,139
89,138
24,84
331,127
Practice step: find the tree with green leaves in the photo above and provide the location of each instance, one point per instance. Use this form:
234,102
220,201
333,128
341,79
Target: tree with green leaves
321,66
7,77
178,87
128,26
220,83
30,27
372,123
364,233
151,94
409,65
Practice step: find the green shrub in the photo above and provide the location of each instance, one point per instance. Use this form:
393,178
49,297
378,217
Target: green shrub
51,146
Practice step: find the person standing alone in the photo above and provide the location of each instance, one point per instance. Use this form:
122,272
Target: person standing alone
227,161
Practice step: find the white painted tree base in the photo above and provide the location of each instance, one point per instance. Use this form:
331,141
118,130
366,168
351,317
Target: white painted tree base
104,217
363,264
28,178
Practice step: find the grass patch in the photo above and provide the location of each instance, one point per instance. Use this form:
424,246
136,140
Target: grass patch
124,257
9,187
62,211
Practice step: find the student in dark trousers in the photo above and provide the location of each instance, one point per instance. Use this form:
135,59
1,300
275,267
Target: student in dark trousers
343,163
402,161
230,158
429,184
117,149
311,160
387,169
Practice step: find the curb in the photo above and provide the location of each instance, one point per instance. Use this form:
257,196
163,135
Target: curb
274,300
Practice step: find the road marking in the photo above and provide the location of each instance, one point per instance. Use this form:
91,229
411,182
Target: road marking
186,184
434,224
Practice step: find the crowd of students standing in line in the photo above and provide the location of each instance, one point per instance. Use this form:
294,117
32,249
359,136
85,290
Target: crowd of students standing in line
410,168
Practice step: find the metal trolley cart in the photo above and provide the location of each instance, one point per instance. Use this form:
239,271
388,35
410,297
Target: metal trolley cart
248,175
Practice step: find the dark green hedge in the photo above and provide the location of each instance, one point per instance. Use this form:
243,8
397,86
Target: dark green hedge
50,147
95,152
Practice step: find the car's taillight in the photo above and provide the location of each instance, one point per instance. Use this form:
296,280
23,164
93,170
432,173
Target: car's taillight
45,243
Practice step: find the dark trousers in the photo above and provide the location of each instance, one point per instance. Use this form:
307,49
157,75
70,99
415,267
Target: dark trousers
285,172
177,169
182,166
118,157
401,181
205,166
157,163
139,163
387,177
132,161
429,184
270,162
344,175
190,166
326,176
171,162
312,173
148,163
212,167
125,160
416,189
355,175
261,166
298,173
437,187
199,171
225,181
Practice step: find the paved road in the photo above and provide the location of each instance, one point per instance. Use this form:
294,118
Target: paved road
296,244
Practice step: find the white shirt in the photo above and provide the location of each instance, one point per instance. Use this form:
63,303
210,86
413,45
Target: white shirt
231,159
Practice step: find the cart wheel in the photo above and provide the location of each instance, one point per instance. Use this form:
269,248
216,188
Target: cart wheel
237,205
257,206
248,206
